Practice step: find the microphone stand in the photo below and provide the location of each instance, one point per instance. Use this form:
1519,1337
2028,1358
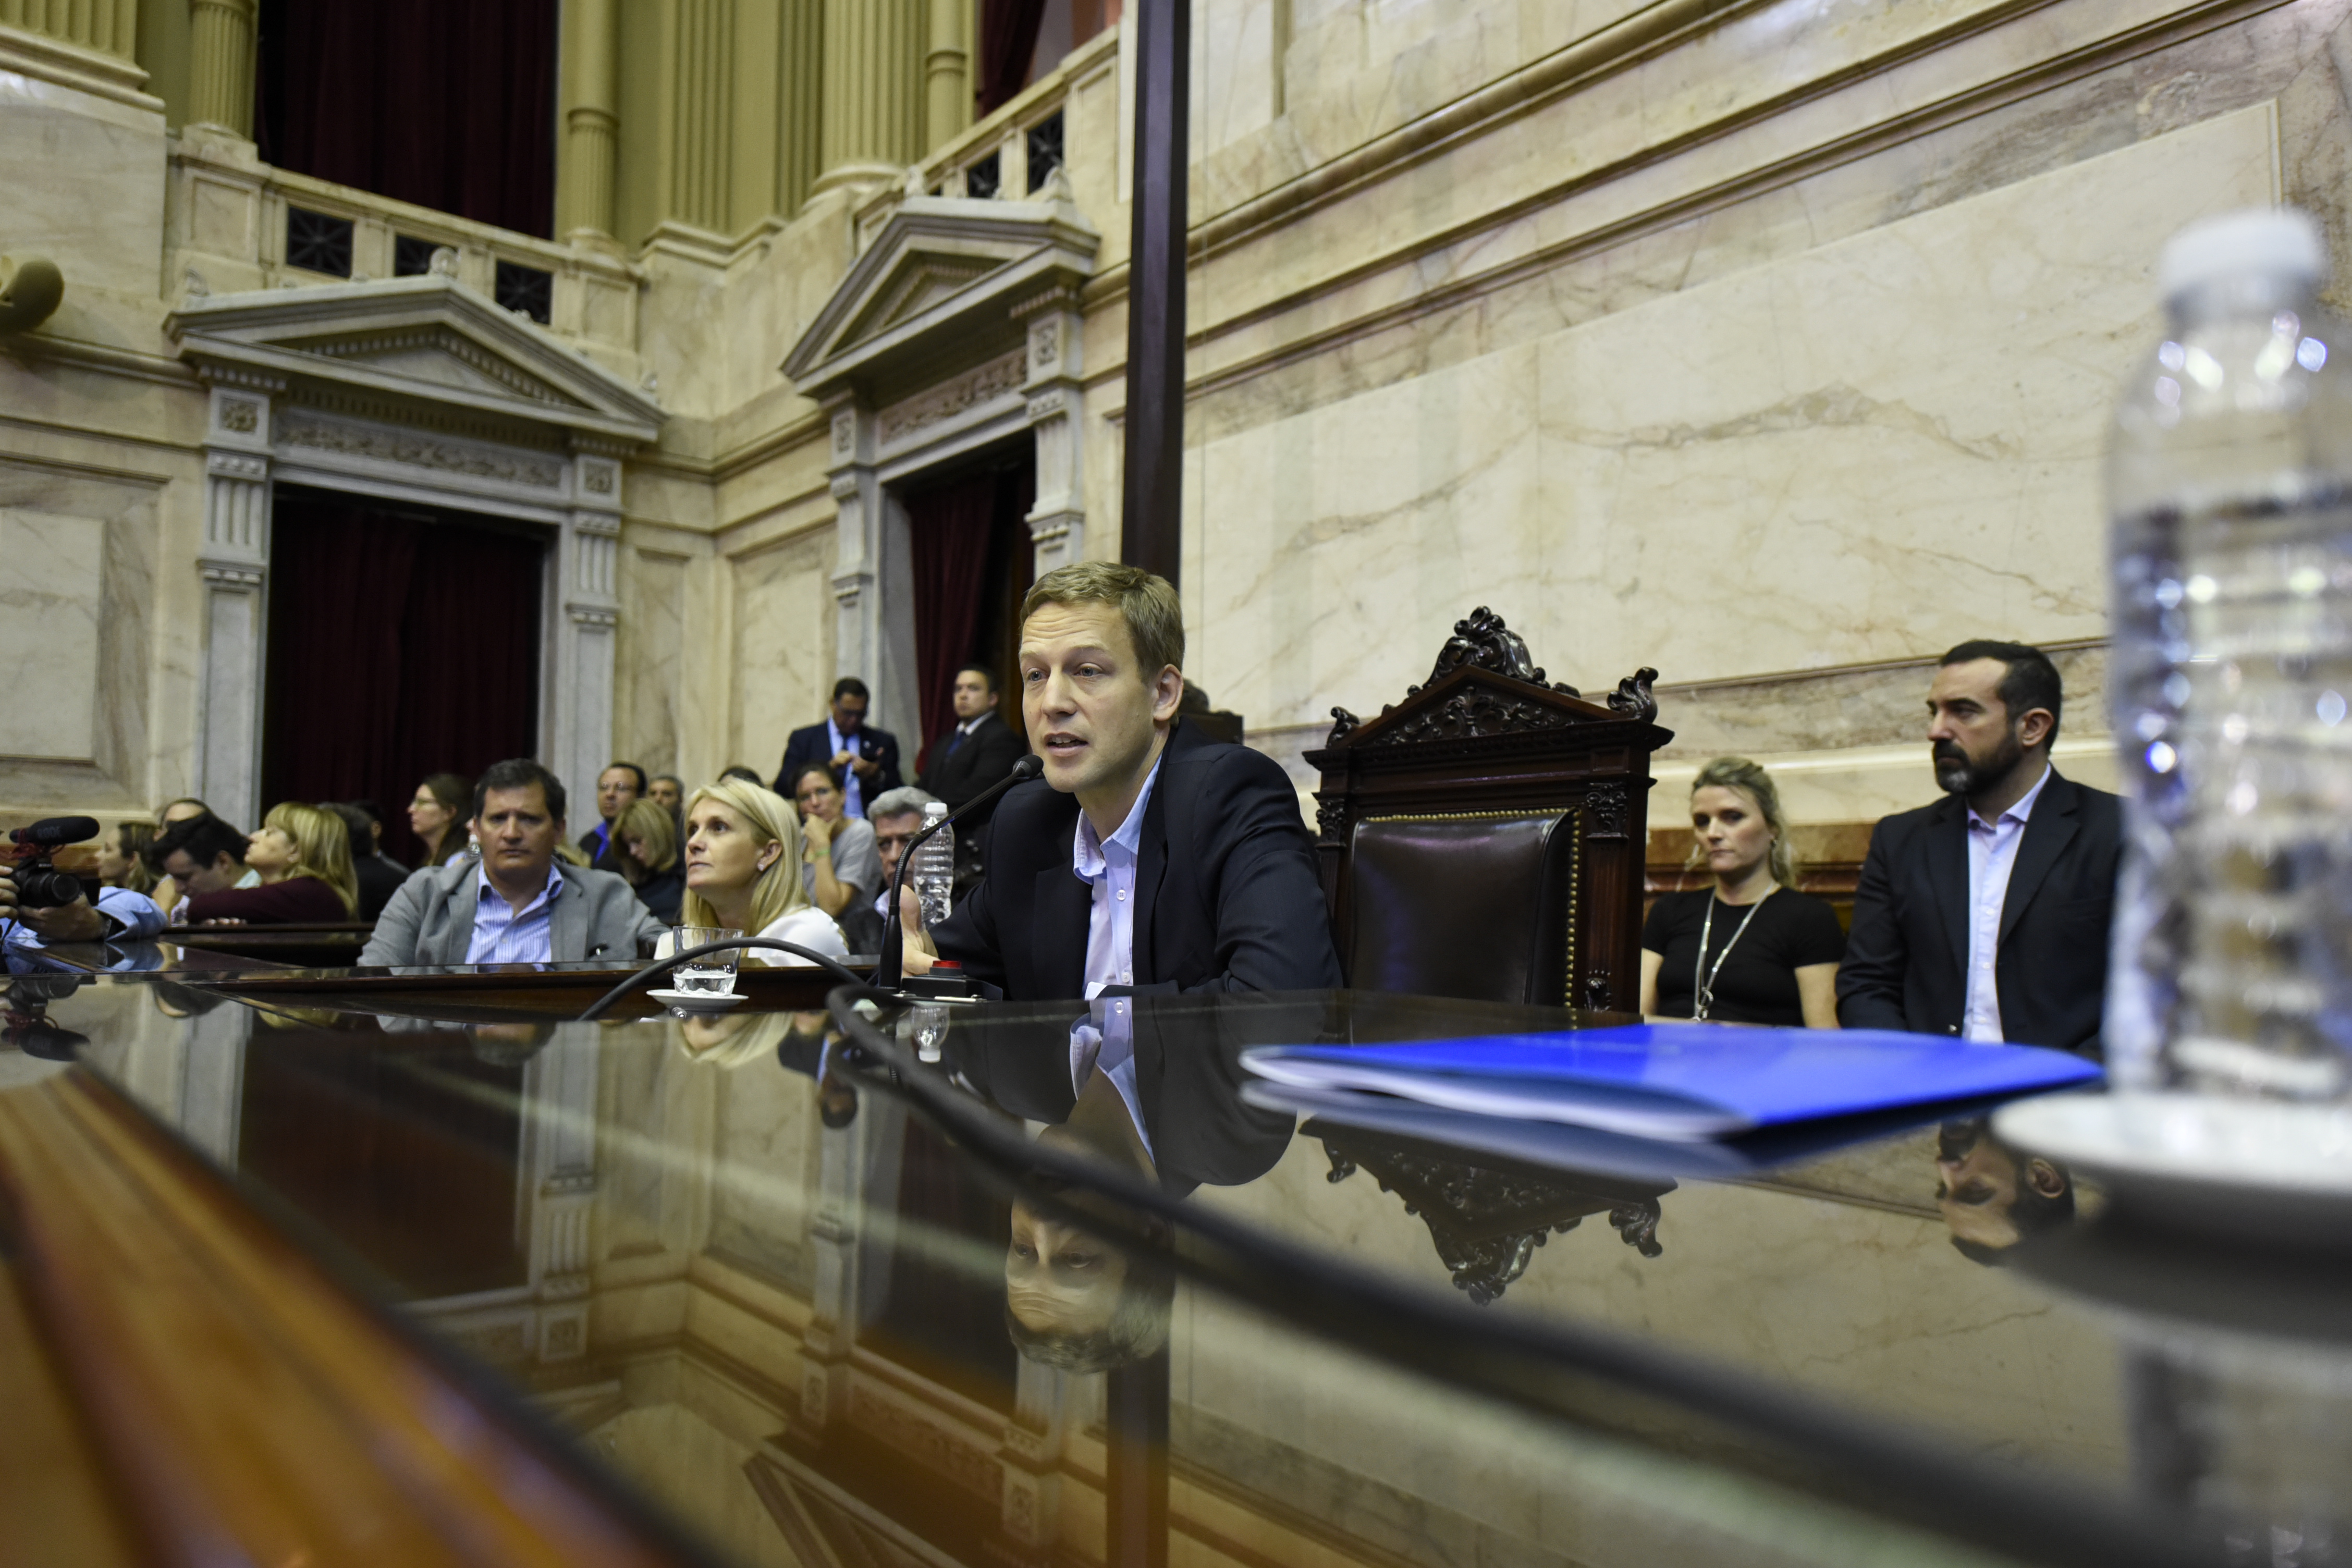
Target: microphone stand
893,936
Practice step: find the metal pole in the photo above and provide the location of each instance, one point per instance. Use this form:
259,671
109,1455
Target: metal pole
1151,519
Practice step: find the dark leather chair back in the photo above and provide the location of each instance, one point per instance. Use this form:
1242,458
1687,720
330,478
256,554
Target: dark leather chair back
1480,905
1483,839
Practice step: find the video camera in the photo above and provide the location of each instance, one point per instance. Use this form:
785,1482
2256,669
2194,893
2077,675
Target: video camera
24,1015
39,884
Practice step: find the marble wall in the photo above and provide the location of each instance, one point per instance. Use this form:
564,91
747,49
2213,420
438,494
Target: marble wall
783,615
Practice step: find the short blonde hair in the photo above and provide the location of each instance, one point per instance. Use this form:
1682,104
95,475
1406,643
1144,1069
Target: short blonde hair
1750,780
322,847
653,825
772,819
1145,602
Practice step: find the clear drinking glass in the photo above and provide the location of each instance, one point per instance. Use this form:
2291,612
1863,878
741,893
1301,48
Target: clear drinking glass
713,972
926,1023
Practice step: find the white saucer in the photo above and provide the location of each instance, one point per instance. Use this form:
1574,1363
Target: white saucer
2240,1169
698,1001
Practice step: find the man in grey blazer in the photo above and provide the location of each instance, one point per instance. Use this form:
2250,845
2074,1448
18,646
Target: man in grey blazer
519,904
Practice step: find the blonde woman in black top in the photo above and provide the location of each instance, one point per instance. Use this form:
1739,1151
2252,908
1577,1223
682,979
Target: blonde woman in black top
1751,949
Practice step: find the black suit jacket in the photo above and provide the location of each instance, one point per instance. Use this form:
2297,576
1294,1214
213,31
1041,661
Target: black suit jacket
1906,956
986,755
1228,895
812,743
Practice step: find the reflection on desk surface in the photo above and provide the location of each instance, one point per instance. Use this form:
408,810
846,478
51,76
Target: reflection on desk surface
790,1309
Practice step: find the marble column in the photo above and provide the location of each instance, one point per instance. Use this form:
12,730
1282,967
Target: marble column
702,115
800,101
234,566
947,73
579,735
560,1097
1057,519
220,64
873,574
872,110
591,122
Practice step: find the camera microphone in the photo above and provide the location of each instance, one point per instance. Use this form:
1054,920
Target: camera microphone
56,832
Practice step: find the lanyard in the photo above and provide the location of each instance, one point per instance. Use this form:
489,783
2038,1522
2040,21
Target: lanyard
1702,973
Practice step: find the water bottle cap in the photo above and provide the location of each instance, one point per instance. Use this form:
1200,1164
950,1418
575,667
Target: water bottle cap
935,810
2272,241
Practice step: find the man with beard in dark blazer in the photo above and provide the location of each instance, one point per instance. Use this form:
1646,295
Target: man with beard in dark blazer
1986,914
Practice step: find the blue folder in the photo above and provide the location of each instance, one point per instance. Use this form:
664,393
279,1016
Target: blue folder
1686,1082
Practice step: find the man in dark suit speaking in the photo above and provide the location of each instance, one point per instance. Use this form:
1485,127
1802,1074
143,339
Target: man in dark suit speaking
1986,914
978,751
1148,858
863,759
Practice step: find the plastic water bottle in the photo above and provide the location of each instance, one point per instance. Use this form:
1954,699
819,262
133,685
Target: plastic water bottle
934,869
2230,493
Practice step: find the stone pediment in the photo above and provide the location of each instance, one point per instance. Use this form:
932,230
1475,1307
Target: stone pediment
429,341
944,269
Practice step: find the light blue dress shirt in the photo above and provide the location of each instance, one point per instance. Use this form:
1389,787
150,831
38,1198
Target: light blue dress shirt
853,798
1992,856
136,912
1108,867
505,935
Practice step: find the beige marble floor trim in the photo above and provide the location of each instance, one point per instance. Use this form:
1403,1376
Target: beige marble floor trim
2047,74
37,351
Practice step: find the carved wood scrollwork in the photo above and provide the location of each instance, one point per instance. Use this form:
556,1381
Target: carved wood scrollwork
1632,696
1606,809
1331,819
1482,642
1487,1224
1474,713
1343,724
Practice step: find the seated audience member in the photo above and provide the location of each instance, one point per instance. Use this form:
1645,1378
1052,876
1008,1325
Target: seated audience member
645,852
165,892
669,791
1148,857
199,854
863,759
1750,948
1985,913
840,868
617,786
378,878
978,751
119,913
181,809
122,856
437,817
739,771
1992,1196
743,873
302,855
517,904
897,817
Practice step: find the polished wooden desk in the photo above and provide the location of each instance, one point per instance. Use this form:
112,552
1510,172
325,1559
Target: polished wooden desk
780,1306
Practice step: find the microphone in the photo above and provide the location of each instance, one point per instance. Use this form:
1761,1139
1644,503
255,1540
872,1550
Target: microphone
1030,765
55,831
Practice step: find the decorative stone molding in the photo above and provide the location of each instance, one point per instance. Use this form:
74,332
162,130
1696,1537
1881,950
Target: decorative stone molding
240,416
600,477
228,574
985,383
384,445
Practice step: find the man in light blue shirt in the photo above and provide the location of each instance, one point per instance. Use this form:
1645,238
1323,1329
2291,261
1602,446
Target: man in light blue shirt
118,915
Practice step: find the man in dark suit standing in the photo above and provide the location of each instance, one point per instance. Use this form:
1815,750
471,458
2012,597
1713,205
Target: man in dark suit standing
979,750
1986,914
864,759
1148,858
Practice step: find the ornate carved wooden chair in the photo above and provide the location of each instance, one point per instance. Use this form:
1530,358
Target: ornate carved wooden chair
1485,837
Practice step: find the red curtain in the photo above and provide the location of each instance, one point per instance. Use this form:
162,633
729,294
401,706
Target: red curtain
948,527
399,645
447,103
1008,39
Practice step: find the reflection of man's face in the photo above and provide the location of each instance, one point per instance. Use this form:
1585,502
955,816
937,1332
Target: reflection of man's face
1059,1279
1976,1187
